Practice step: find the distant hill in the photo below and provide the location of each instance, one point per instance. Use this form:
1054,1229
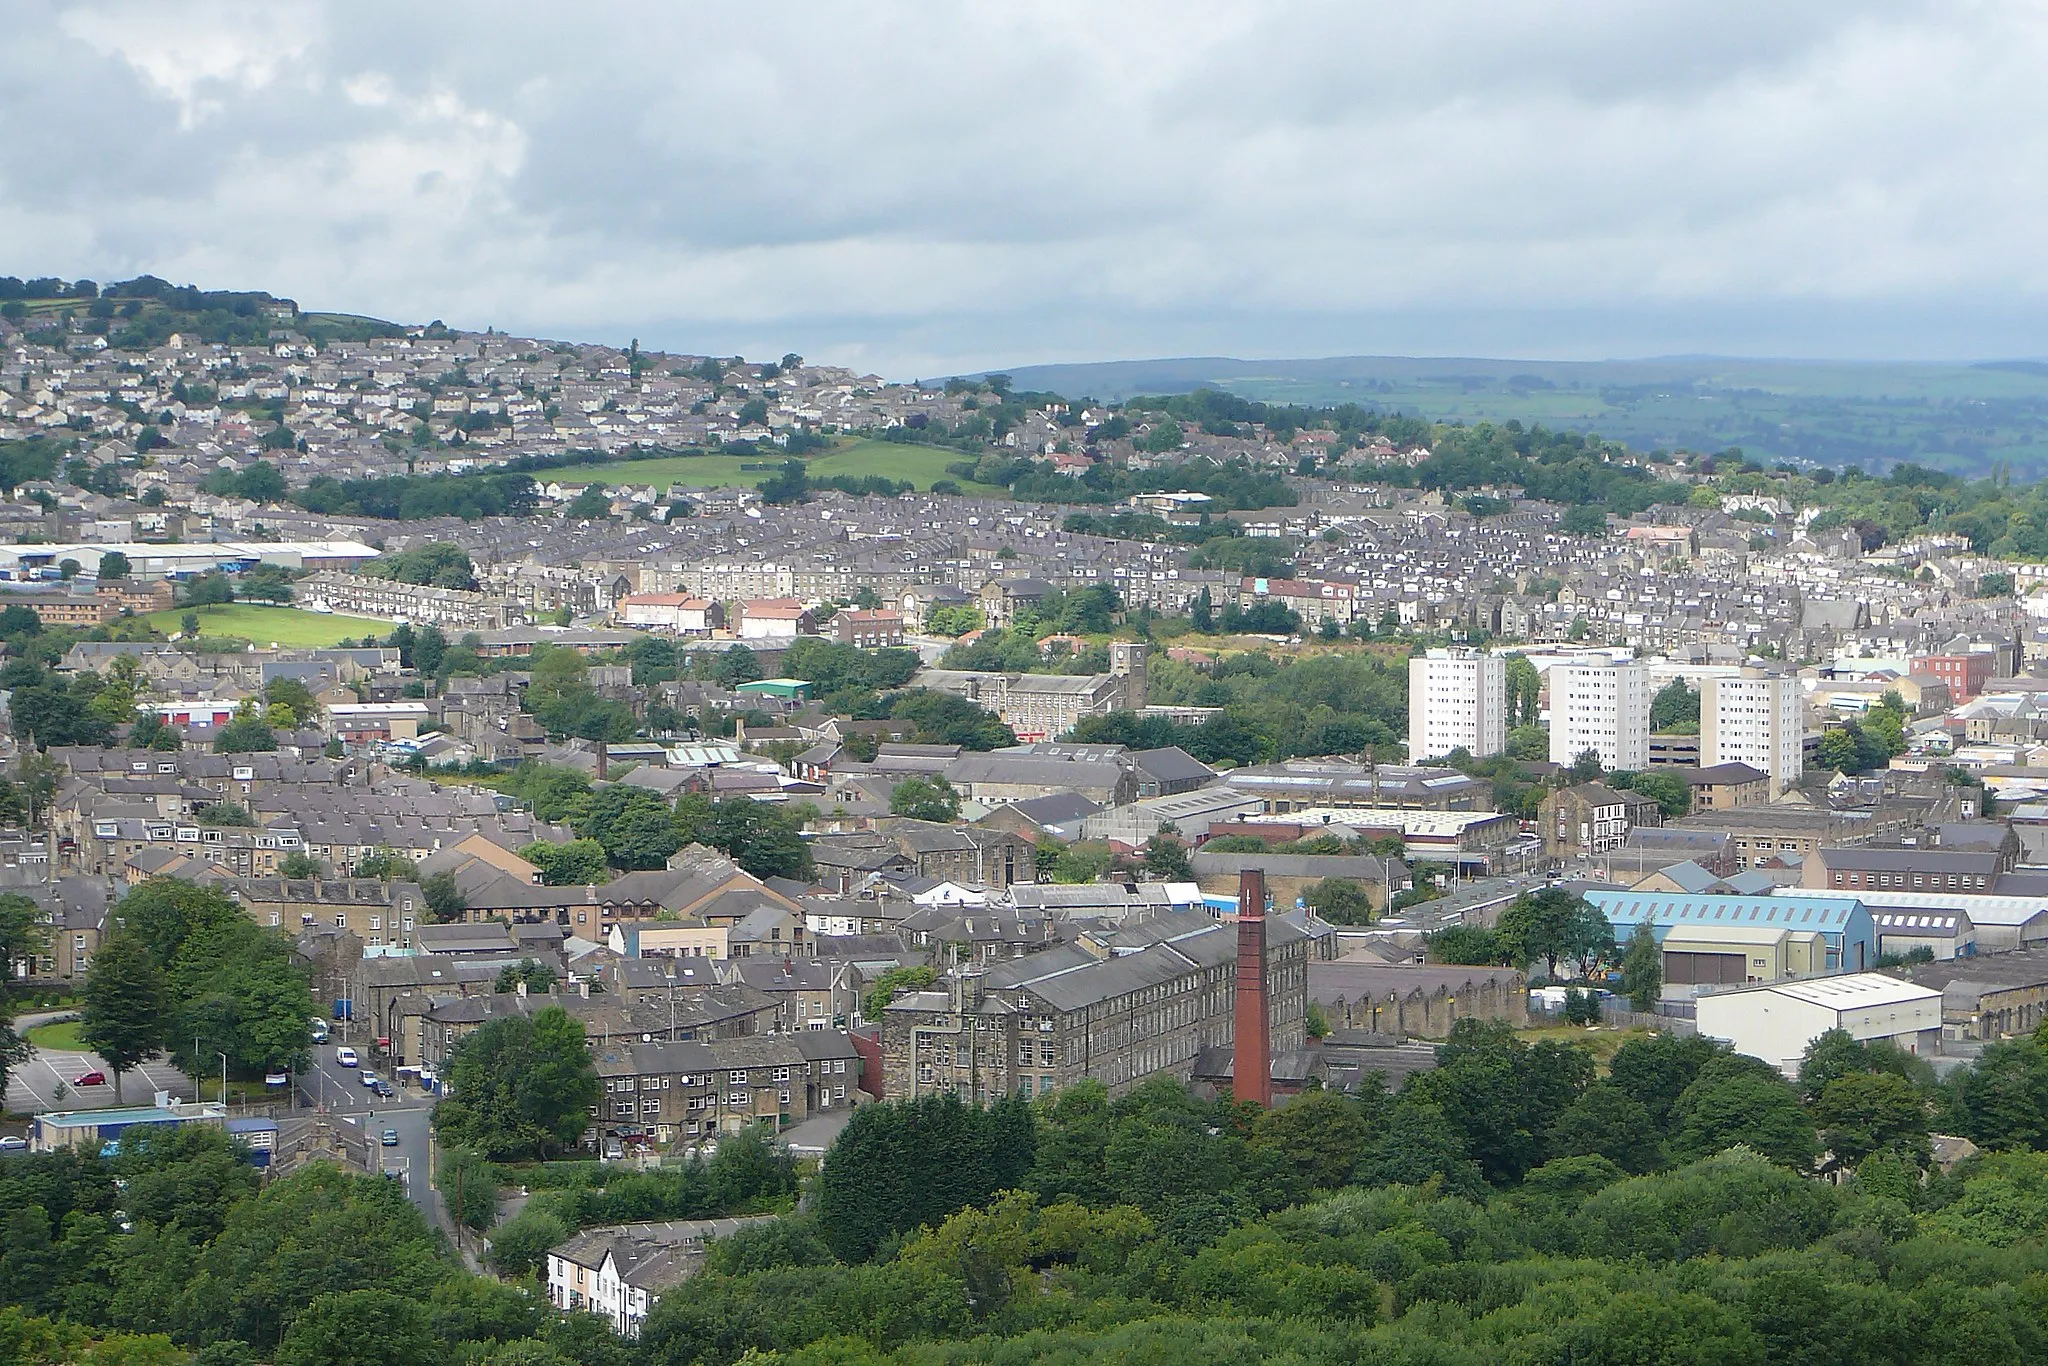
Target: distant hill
1968,419
135,315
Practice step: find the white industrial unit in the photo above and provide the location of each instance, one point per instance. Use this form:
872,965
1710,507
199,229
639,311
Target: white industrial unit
1777,1021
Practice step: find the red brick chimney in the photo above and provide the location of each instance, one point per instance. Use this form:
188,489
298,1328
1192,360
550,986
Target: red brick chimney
1251,1068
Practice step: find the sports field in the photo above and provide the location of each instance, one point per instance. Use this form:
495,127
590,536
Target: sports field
921,465
271,625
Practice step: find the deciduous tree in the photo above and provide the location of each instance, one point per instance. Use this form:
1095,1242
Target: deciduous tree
1642,968
126,1007
520,1087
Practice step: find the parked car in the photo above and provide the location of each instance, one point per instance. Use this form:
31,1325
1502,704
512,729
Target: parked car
12,1143
345,1057
367,1077
90,1079
390,1138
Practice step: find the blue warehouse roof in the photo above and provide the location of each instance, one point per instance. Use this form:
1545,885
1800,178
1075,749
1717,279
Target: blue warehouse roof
1666,910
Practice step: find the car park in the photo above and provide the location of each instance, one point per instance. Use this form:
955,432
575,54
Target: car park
390,1139
345,1057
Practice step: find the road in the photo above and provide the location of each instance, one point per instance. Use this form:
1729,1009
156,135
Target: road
340,1091
32,1087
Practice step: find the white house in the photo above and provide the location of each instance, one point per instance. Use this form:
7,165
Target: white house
678,613
773,619
1776,1021
620,1272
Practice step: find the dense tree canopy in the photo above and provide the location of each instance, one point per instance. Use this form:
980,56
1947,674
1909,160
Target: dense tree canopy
519,1086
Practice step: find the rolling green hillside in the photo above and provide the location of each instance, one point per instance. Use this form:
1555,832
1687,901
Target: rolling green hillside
1967,419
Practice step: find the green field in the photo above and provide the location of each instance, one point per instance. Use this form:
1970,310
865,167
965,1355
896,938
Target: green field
265,625
921,465
61,1036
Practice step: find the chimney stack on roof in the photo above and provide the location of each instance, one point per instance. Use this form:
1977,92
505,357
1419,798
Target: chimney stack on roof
1251,1069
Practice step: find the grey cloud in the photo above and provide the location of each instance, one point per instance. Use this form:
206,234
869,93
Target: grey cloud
928,187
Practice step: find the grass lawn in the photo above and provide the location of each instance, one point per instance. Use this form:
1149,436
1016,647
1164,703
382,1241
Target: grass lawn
263,625
921,465
62,1036
1604,1041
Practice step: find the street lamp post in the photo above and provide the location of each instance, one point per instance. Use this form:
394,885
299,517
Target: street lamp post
223,1082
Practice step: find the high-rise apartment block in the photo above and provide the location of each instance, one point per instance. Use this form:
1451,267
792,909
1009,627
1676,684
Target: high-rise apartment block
1601,705
1457,699
1753,718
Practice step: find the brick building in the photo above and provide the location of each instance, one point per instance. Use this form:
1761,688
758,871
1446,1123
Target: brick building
1965,674
691,1091
1119,1005
868,630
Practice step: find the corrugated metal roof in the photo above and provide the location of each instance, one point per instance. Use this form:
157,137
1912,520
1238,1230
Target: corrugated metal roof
1682,908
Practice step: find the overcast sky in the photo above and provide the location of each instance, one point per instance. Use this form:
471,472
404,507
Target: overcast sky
919,189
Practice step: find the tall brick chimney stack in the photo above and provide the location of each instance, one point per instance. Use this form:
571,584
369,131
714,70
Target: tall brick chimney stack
1251,1068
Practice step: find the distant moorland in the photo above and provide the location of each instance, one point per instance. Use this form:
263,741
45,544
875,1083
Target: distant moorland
1965,419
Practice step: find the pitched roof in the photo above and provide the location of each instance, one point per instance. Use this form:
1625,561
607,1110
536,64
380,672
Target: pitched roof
1827,914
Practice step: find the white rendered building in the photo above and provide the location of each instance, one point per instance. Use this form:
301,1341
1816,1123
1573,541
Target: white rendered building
1603,705
1753,718
1457,699
1776,1022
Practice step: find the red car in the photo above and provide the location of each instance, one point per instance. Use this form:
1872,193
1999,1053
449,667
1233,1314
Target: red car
90,1079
